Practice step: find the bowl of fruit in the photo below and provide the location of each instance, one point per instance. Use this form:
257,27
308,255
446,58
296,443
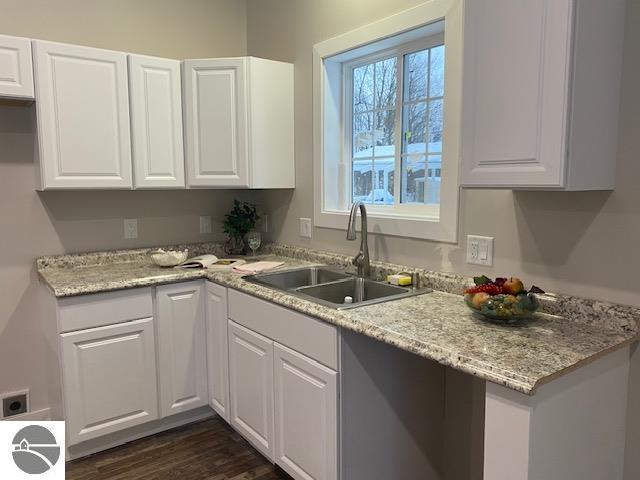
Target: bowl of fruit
503,300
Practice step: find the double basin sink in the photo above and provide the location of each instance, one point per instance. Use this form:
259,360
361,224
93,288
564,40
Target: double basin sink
332,288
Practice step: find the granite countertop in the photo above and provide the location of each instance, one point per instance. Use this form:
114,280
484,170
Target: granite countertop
436,325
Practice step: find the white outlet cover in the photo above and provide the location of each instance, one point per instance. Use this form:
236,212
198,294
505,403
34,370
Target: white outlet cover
305,227
480,250
130,228
205,224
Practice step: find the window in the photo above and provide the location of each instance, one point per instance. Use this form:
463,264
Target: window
387,123
404,89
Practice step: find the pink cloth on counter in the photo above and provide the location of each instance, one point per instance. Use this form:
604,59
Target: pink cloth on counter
257,267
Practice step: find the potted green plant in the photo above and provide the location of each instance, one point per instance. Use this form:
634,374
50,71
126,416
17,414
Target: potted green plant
237,223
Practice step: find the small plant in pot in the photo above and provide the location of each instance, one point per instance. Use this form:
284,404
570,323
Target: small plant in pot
237,223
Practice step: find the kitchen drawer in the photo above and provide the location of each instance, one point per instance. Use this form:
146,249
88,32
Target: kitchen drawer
299,332
89,311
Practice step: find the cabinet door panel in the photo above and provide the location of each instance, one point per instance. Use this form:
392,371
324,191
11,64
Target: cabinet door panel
156,122
217,349
16,70
216,122
516,92
109,376
83,117
251,387
182,347
306,416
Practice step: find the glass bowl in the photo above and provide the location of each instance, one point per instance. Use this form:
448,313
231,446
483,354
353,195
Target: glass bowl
503,309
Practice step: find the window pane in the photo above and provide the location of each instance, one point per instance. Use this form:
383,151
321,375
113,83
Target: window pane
383,181
362,180
384,133
434,180
363,88
413,179
435,125
415,75
415,128
363,135
385,83
436,74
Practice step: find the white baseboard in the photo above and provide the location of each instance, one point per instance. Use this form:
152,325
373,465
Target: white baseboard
37,416
134,433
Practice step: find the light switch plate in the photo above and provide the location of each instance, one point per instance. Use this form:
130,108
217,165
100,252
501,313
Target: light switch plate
130,228
480,250
305,227
205,224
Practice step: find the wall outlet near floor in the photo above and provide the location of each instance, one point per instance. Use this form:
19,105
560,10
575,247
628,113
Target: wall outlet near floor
130,228
15,403
480,250
305,227
205,224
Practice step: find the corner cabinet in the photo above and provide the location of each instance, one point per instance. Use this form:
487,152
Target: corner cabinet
217,349
181,347
156,122
541,91
82,103
238,115
16,69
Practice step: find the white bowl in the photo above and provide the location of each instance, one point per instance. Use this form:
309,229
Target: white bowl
169,258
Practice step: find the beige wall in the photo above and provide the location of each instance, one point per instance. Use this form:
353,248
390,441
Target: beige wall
33,224
577,243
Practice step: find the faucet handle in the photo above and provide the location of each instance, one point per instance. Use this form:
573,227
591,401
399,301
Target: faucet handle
357,260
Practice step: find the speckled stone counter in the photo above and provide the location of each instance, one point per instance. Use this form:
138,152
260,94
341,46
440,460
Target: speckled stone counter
438,326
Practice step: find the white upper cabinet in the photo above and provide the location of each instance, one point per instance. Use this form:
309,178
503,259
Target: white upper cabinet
16,69
540,93
82,100
238,116
156,122
181,347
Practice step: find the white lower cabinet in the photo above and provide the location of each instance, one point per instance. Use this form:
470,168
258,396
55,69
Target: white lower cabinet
109,378
217,349
181,347
251,387
306,399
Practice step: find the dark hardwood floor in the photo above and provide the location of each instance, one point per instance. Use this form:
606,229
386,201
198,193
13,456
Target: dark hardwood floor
207,450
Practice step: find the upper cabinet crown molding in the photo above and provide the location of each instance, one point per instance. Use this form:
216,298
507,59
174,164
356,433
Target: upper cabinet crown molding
82,103
156,122
541,91
16,68
238,115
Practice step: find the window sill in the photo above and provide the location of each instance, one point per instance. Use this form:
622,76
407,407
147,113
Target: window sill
423,228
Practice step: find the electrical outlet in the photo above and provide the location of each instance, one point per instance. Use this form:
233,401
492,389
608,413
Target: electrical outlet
15,403
130,228
205,224
480,250
305,227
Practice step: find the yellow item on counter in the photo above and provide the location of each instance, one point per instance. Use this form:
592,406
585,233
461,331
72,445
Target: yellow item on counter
400,279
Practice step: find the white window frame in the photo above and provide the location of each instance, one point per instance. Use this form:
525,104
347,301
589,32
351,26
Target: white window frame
331,157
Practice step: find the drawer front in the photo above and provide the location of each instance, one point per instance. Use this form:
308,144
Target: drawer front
299,332
89,311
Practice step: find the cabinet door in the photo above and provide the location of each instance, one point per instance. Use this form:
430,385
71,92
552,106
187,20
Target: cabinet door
516,93
16,70
109,379
181,347
305,416
156,122
83,117
215,107
217,349
251,387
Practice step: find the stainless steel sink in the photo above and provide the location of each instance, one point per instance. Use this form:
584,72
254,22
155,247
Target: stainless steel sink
330,288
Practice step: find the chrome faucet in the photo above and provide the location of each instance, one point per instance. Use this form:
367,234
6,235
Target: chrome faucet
361,260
